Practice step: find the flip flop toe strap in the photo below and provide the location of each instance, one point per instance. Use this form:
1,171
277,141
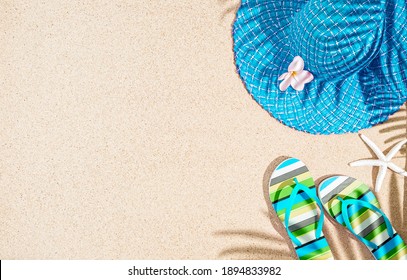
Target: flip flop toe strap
292,199
346,203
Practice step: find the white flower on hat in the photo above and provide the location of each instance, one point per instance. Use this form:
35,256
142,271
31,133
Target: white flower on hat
296,76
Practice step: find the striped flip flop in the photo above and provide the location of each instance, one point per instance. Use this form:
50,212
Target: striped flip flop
352,204
293,197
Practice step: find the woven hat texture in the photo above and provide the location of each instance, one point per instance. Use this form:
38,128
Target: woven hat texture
355,49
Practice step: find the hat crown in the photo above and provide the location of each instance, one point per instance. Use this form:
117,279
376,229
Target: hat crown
337,38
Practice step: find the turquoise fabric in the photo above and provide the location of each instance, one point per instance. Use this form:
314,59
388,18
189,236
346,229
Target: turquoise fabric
356,50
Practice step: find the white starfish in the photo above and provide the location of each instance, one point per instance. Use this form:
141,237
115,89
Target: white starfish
382,161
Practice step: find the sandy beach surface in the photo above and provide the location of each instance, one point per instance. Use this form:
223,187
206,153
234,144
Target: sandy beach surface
126,133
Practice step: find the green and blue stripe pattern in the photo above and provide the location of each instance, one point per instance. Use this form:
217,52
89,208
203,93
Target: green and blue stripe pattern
352,204
293,194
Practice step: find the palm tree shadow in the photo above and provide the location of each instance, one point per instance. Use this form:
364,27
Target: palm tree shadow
375,169
396,127
278,247
396,123
260,251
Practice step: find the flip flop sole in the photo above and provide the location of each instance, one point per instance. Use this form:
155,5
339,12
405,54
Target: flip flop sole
366,223
304,215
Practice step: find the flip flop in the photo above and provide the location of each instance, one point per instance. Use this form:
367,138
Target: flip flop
352,204
293,197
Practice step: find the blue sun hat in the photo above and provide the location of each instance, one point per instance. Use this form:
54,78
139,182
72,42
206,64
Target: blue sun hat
324,66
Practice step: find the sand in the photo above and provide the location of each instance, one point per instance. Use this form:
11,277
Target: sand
126,133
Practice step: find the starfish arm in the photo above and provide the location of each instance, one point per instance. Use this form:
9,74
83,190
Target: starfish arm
368,162
395,149
380,178
397,169
373,146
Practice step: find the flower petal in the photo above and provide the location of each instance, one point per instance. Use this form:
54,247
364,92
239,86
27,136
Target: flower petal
286,83
297,85
300,79
304,76
282,77
297,64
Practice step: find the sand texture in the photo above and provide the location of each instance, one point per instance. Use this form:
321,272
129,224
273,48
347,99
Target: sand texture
126,133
